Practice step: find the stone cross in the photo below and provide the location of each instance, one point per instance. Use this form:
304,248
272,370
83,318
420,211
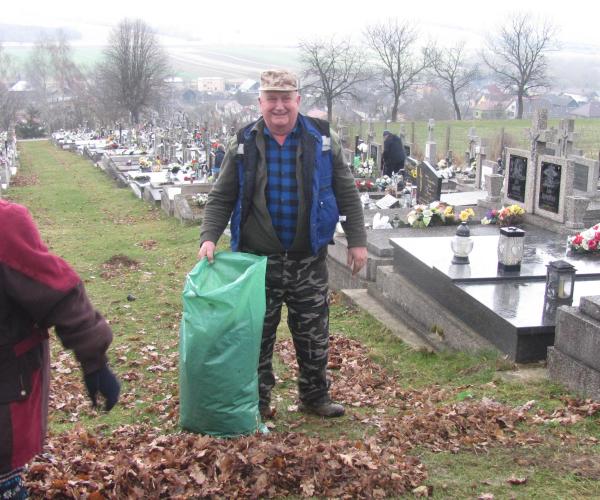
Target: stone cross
430,145
566,137
539,135
430,127
473,140
480,156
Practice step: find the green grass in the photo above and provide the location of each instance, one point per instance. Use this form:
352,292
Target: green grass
87,220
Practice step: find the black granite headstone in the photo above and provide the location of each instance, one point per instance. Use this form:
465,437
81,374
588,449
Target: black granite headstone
373,152
429,184
580,179
517,174
550,179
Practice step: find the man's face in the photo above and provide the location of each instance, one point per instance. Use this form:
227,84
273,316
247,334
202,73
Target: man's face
280,110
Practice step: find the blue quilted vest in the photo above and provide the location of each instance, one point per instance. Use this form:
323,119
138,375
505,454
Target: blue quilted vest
317,171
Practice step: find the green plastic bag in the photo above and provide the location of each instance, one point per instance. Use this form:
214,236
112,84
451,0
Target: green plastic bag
219,345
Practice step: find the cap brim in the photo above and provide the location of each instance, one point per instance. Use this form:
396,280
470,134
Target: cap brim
278,89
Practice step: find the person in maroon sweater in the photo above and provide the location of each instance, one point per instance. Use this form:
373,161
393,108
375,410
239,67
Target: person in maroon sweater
39,290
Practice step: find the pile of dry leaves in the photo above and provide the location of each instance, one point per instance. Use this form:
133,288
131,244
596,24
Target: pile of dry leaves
140,461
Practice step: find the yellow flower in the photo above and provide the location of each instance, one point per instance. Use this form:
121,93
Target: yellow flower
449,211
466,214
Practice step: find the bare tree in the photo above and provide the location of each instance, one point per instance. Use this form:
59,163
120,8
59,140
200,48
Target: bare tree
517,55
8,108
454,72
401,69
5,65
56,81
8,101
333,69
38,68
134,68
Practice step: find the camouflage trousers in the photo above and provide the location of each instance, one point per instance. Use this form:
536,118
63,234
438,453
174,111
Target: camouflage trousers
301,283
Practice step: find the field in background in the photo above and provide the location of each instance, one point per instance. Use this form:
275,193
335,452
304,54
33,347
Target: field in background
191,61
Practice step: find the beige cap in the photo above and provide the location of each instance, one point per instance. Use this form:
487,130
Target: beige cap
278,79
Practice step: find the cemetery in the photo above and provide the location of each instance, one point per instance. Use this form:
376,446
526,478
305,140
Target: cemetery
529,294
460,359
412,269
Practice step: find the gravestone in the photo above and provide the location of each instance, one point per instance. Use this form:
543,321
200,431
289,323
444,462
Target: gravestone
429,183
585,176
552,187
576,207
519,179
493,187
375,152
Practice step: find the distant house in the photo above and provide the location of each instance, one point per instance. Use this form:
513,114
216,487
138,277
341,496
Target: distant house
211,84
21,86
558,106
587,110
577,97
488,108
175,81
317,113
249,86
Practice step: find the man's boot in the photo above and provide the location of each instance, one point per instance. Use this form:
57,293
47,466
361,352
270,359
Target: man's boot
326,408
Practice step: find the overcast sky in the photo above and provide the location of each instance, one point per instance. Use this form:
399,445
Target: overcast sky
280,22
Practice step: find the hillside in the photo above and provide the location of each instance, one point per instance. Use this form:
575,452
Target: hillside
194,60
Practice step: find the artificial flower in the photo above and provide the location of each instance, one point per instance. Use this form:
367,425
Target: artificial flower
586,241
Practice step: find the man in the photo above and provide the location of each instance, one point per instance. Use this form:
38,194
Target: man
393,154
284,183
39,290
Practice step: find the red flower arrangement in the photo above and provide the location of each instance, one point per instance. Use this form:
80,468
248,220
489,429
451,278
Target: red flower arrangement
586,241
365,185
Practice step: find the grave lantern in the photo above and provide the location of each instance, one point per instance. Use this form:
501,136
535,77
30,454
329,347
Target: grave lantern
560,280
510,248
461,244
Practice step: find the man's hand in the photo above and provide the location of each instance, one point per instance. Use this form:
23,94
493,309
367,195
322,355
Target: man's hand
357,258
103,381
207,250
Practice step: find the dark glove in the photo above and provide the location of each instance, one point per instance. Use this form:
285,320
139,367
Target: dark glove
105,382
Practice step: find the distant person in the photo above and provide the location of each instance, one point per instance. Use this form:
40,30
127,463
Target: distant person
39,290
286,205
219,155
394,156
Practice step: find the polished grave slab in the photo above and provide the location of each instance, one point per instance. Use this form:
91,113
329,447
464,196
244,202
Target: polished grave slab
505,308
